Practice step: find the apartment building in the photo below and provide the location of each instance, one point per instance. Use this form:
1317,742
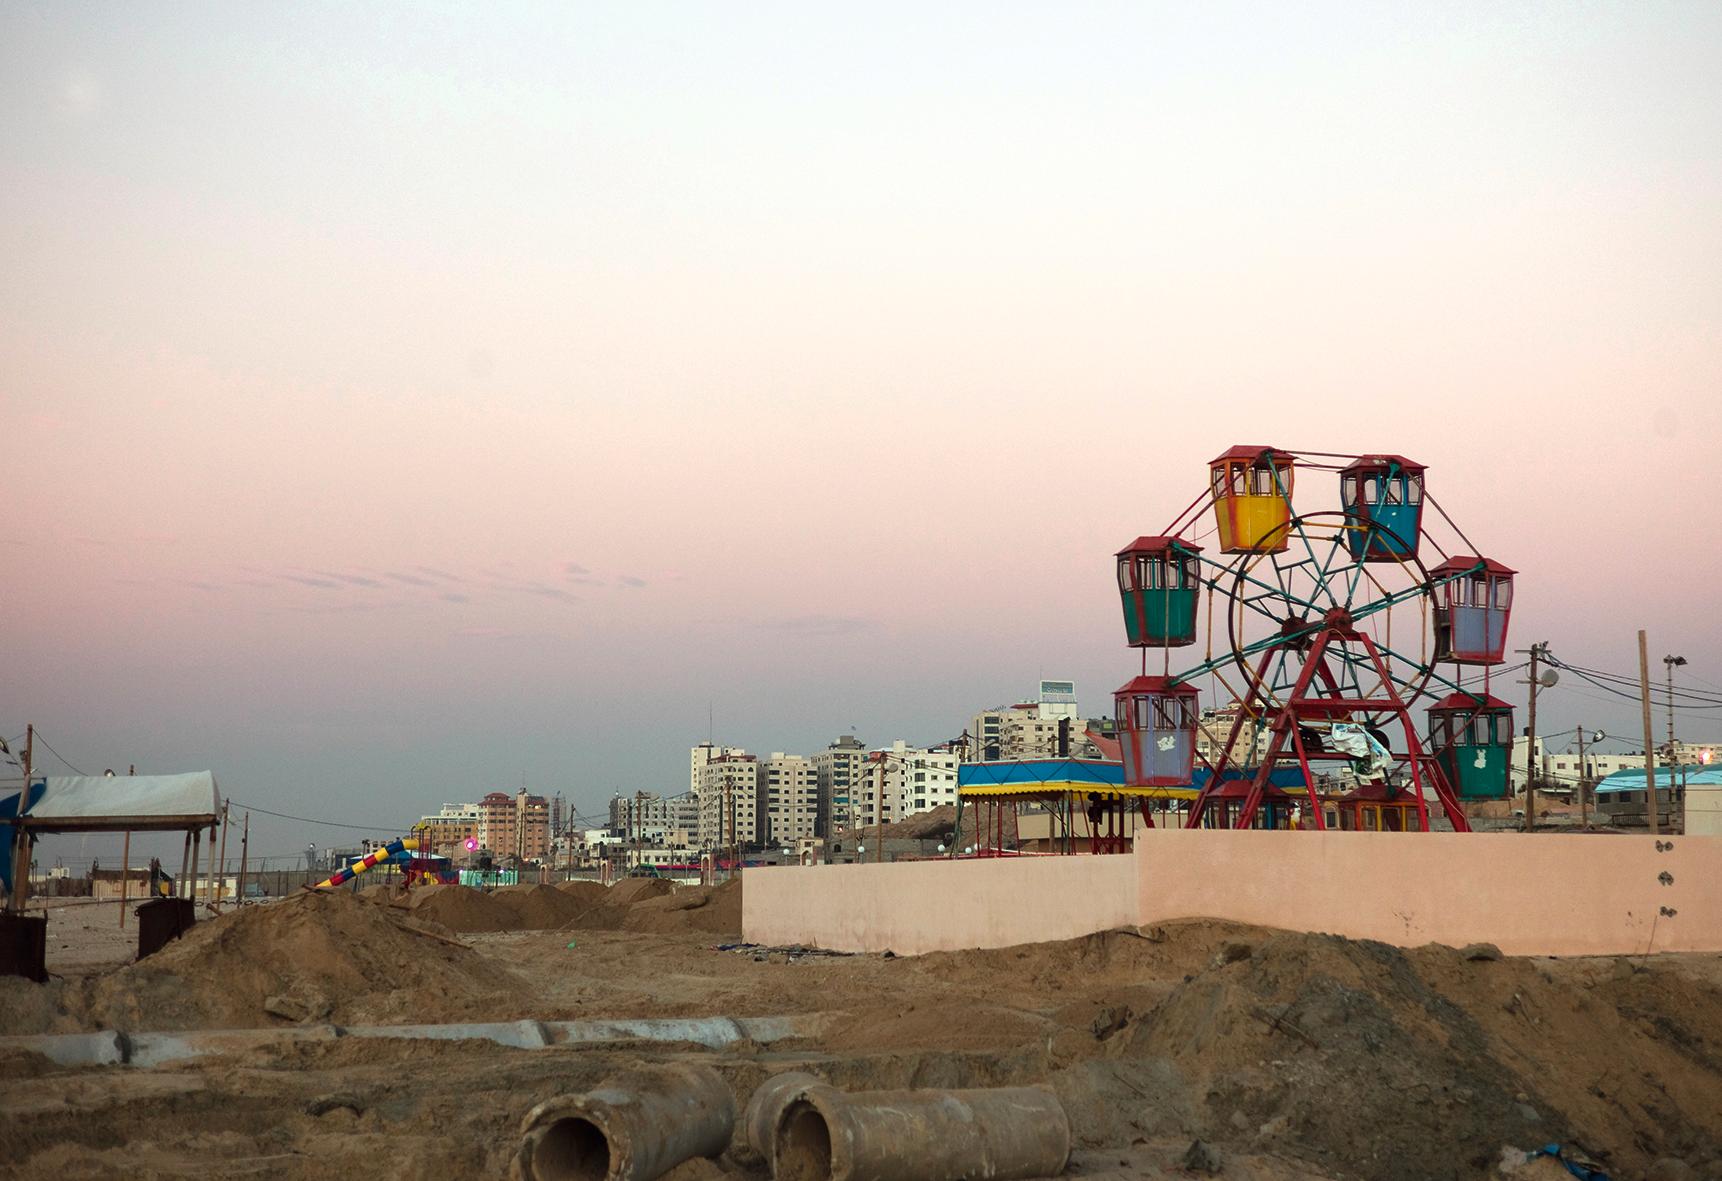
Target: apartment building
836,770
901,780
514,826
1030,729
730,802
650,816
789,788
702,754
448,831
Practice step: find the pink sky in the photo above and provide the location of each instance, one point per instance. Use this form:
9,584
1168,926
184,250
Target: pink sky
396,405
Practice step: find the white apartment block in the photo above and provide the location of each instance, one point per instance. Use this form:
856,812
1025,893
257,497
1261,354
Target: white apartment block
654,812
836,770
789,788
901,780
1024,731
1029,729
702,754
729,802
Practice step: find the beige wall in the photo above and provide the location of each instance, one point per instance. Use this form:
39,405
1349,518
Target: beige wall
1531,895
1704,811
913,907
1545,894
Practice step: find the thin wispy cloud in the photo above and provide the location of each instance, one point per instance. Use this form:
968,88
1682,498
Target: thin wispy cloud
820,625
410,579
319,583
550,592
629,581
352,579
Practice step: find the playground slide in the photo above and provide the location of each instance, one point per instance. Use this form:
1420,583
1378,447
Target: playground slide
375,857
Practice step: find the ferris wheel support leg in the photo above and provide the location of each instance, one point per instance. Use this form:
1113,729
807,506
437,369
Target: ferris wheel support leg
1421,764
1309,782
1246,708
1284,726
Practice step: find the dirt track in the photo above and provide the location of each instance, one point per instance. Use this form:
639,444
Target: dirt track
1297,1055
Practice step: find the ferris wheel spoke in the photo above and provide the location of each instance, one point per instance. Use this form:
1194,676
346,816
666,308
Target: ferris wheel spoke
1333,571
1297,524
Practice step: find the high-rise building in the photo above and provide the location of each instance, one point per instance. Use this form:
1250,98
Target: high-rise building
514,826
1058,700
901,780
1022,731
836,769
448,831
790,791
702,754
729,801
654,814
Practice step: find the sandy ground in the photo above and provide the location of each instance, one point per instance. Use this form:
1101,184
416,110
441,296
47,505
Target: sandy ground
1294,1055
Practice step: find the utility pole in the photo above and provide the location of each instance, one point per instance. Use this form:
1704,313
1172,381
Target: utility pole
1651,807
244,851
1671,663
1583,780
1536,653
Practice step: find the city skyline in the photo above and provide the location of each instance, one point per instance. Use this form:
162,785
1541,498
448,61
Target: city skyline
438,400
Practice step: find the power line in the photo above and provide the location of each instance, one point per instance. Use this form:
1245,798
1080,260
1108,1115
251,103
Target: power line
57,754
314,820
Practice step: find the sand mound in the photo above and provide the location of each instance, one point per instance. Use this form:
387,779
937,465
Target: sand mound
589,893
460,908
310,957
1297,1033
383,893
534,908
716,909
631,890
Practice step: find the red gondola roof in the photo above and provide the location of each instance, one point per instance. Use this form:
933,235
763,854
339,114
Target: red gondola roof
1467,702
1158,545
1154,685
1460,563
1373,462
1251,453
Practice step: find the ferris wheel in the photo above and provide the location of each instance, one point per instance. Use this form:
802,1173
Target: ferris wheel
1320,630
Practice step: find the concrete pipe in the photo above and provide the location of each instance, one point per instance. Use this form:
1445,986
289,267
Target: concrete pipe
635,1126
765,1108
1004,1133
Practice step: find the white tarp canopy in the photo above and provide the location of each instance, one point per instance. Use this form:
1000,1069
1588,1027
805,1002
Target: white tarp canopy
89,803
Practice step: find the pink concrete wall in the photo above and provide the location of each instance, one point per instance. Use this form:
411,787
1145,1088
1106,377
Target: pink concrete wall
914,907
1545,894
1530,895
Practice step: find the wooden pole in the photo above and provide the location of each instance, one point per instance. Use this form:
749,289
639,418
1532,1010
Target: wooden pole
196,856
184,864
125,876
1531,746
223,860
1584,800
1650,809
244,847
